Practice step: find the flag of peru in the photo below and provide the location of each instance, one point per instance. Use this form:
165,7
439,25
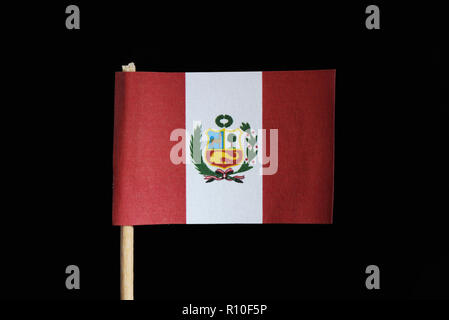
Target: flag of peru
223,147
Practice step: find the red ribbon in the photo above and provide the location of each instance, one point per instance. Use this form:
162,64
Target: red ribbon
224,175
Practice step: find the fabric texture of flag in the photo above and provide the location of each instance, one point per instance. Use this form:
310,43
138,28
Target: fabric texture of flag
223,147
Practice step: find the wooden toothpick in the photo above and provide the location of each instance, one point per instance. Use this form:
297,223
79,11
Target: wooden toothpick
127,245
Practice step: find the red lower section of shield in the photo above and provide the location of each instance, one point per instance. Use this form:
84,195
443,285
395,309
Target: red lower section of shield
224,158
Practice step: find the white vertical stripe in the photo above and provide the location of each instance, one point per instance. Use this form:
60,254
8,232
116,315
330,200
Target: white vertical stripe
238,94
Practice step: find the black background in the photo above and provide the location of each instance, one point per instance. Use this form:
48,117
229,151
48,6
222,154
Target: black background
390,165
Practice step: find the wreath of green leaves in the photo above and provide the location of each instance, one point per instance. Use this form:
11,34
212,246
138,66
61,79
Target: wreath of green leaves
196,153
226,117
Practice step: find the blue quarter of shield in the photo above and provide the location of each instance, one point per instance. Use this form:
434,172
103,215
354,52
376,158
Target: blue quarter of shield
216,140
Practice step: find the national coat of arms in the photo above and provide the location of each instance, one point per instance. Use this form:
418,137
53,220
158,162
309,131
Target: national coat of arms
225,150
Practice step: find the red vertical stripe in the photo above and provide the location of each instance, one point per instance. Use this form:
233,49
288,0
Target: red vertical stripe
301,105
148,188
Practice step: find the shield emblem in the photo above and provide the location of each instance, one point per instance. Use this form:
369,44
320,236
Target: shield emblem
224,148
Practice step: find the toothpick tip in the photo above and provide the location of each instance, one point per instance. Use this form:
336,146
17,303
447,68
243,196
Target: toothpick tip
131,67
